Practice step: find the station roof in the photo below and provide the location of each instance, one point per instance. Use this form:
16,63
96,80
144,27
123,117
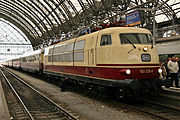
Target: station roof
43,20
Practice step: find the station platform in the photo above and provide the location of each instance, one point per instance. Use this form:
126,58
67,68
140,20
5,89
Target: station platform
174,88
4,112
171,91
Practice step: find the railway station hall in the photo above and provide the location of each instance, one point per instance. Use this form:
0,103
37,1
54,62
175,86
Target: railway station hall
89,59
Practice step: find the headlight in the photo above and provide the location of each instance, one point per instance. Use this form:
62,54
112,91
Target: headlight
128,71
159,70
145,49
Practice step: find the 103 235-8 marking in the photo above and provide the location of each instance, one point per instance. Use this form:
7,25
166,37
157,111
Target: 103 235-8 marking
146,71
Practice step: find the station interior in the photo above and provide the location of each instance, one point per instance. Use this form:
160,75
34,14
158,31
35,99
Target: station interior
30,27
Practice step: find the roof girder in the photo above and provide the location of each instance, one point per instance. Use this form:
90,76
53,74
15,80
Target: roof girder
45,19
19,12
16,19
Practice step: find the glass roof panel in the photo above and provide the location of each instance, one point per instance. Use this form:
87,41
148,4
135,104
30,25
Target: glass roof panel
10,33
175,6
42,17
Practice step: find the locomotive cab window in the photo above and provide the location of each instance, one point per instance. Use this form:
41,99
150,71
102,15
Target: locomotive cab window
135,38
106,40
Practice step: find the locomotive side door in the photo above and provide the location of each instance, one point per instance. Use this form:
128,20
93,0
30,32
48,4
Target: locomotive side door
47,57
91,50
104,49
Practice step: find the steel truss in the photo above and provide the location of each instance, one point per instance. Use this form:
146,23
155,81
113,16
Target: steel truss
44,20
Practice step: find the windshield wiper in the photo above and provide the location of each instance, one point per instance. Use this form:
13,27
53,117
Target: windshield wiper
130,42
152,44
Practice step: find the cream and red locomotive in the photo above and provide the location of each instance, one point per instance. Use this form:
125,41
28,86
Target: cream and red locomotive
123,60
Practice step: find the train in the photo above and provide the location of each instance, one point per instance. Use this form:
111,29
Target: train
121,60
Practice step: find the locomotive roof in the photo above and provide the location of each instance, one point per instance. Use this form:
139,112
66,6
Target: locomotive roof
104,31
126,30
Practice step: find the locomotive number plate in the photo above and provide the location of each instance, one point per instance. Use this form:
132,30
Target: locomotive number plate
142,71
146,57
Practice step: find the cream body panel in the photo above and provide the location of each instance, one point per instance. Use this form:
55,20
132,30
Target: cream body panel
85,55
46,53
89,50
92,49
60,44
105,54
128,55
118,53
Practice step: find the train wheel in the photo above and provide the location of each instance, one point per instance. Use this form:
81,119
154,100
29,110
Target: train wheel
124,94
120,94
64,84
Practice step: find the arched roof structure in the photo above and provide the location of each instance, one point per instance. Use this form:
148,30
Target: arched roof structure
42,20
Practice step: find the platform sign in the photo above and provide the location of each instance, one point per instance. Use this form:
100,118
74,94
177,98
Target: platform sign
133,18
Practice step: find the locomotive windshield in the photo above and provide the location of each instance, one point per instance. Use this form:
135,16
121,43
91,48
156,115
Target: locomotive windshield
135,38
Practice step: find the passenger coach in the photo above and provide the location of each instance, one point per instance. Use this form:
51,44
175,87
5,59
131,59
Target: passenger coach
32,62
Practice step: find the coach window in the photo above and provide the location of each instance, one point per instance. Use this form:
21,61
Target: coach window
62,49
79,56
69,47
55,50
68,57
106,40
79,45
50,55
79,51
50,51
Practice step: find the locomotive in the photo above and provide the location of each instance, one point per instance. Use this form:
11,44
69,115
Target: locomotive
121,60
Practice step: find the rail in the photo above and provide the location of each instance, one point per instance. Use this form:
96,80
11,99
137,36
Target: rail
66,113
24,106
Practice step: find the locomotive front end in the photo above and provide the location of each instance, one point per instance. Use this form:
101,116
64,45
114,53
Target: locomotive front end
139,55
133,60
141,60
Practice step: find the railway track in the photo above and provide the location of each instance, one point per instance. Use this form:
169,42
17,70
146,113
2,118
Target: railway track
167,99
148,107
156,110
167,104
28,103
